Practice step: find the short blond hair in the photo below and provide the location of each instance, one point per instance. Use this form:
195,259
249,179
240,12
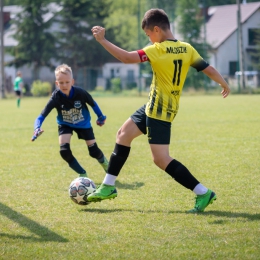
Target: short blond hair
63,68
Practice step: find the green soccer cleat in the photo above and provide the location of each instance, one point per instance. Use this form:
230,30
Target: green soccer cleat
103,192
202,201
105,164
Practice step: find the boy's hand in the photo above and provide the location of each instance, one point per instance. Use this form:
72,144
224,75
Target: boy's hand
225,91
101,120
37,132
98,33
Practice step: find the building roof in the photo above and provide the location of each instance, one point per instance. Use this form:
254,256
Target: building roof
223,21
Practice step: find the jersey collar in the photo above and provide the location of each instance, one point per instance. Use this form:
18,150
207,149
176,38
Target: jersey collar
175,40
71,93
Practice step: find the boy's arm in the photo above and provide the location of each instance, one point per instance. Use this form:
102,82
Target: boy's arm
37,127
39,120
212,73
120,54
101,118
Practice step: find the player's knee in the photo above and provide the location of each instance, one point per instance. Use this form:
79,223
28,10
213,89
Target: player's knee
94,151
122,137
159,162
156,161
66,153
121,134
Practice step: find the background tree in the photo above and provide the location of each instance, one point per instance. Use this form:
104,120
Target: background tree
124,21
74,41
35,42
20,2
189,25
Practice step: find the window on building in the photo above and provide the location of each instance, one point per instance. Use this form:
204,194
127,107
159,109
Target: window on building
130,76
130,80
112,73
253,35
233,67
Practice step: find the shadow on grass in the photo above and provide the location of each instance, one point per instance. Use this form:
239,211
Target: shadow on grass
226,214
129,186
43,233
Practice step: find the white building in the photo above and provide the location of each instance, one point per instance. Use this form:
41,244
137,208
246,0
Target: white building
221,34
128,73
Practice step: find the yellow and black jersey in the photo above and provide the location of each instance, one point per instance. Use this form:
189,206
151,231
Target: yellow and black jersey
170,61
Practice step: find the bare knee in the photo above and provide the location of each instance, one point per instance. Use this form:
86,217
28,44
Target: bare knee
158,162
162,161
124,138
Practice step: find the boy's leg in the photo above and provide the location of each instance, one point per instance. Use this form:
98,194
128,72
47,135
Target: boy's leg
18,95
183,176
96,153
117,160
66,153
107,189
175,169
160,151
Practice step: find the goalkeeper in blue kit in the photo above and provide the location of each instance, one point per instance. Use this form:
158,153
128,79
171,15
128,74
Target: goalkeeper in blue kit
73,115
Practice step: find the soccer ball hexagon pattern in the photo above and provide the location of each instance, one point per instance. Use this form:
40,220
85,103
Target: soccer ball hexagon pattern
79,190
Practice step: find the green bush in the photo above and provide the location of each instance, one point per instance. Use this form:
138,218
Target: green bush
41,89
131,85
99,88
116,85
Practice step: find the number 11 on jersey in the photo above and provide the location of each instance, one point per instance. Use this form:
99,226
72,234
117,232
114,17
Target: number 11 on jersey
177,72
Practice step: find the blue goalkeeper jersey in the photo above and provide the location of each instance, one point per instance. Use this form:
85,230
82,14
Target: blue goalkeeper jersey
73,110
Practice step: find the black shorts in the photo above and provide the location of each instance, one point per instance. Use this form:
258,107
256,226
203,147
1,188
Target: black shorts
18,93
158,131
83,133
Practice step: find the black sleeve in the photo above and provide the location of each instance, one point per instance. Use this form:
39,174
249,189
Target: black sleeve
200,65
48,108
87,98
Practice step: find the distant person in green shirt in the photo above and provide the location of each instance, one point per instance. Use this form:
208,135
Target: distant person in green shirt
18,87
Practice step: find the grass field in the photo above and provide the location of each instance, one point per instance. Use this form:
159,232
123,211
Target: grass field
217,139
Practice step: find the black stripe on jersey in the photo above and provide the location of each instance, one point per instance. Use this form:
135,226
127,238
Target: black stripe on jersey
152,101
168,115
159,106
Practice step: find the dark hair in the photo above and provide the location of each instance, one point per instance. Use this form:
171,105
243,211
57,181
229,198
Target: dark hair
155,17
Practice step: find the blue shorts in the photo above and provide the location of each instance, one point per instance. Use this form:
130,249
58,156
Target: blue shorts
158,131
83,133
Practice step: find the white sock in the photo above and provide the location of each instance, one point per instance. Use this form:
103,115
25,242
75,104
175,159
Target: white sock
109,179
200,189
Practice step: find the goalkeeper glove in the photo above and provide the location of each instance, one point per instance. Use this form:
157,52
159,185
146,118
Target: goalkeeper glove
101,120
37,132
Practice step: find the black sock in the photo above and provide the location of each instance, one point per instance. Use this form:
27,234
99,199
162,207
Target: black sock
181,174
118,159
76,166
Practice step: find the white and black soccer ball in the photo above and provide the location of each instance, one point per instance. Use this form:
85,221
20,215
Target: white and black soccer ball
79,190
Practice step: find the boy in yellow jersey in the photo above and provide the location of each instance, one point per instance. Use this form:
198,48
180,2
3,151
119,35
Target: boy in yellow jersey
170,60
